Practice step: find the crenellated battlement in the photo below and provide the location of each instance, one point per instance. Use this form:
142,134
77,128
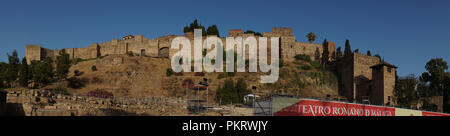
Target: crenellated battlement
159,47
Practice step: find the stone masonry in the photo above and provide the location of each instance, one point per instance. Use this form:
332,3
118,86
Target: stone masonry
160,47
366,79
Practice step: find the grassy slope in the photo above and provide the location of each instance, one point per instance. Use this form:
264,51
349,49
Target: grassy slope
144,76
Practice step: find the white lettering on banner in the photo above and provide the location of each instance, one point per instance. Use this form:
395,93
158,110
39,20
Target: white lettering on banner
316,110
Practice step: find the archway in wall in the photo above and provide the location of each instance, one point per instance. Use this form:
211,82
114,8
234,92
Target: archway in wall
143,52
163,52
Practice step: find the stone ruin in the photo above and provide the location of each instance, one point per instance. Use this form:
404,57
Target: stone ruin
46,103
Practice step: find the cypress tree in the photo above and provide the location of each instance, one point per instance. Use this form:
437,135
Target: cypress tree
194,25
13,68
213,30
338,52
347,50
24,73
62,64
325,53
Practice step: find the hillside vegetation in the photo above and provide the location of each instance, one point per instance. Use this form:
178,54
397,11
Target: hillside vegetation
138,76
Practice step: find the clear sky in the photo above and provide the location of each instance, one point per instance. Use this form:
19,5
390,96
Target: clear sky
406,33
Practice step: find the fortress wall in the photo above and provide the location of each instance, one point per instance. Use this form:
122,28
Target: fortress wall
167,42
48,53
307,49
332,48
271,34
85,53
32,52
282,31
345,68
68,51
363,72
113,47
71,52
288,47
153,49
362,65
149,46
358,79
235,32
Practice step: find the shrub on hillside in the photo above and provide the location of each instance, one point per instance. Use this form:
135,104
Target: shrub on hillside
306,67
315,64
76,73
77,83
94,68
169,72
60,90
232,93
303,57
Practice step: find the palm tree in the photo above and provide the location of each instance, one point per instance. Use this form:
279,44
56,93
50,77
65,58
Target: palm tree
311,37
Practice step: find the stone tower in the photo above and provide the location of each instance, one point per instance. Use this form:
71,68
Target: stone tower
366,79
383,84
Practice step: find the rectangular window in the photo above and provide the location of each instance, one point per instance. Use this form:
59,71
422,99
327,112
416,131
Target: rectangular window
389,70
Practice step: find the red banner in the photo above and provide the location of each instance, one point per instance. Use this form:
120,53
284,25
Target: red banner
434,114
323,108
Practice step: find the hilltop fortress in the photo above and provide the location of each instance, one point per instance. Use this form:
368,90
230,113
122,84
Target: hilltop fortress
361,78
160,47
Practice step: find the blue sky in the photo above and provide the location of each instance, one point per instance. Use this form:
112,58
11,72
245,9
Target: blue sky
406,33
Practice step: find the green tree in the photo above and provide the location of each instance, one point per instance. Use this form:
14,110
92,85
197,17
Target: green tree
169,72
253,32
434,77
311,37
317,55
13,68
42,71
24,73
213,30
339,52
433,82
194,25
62,64
347,50
231,93
405,92
242,90
225,95
3,69
446,107
325,54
